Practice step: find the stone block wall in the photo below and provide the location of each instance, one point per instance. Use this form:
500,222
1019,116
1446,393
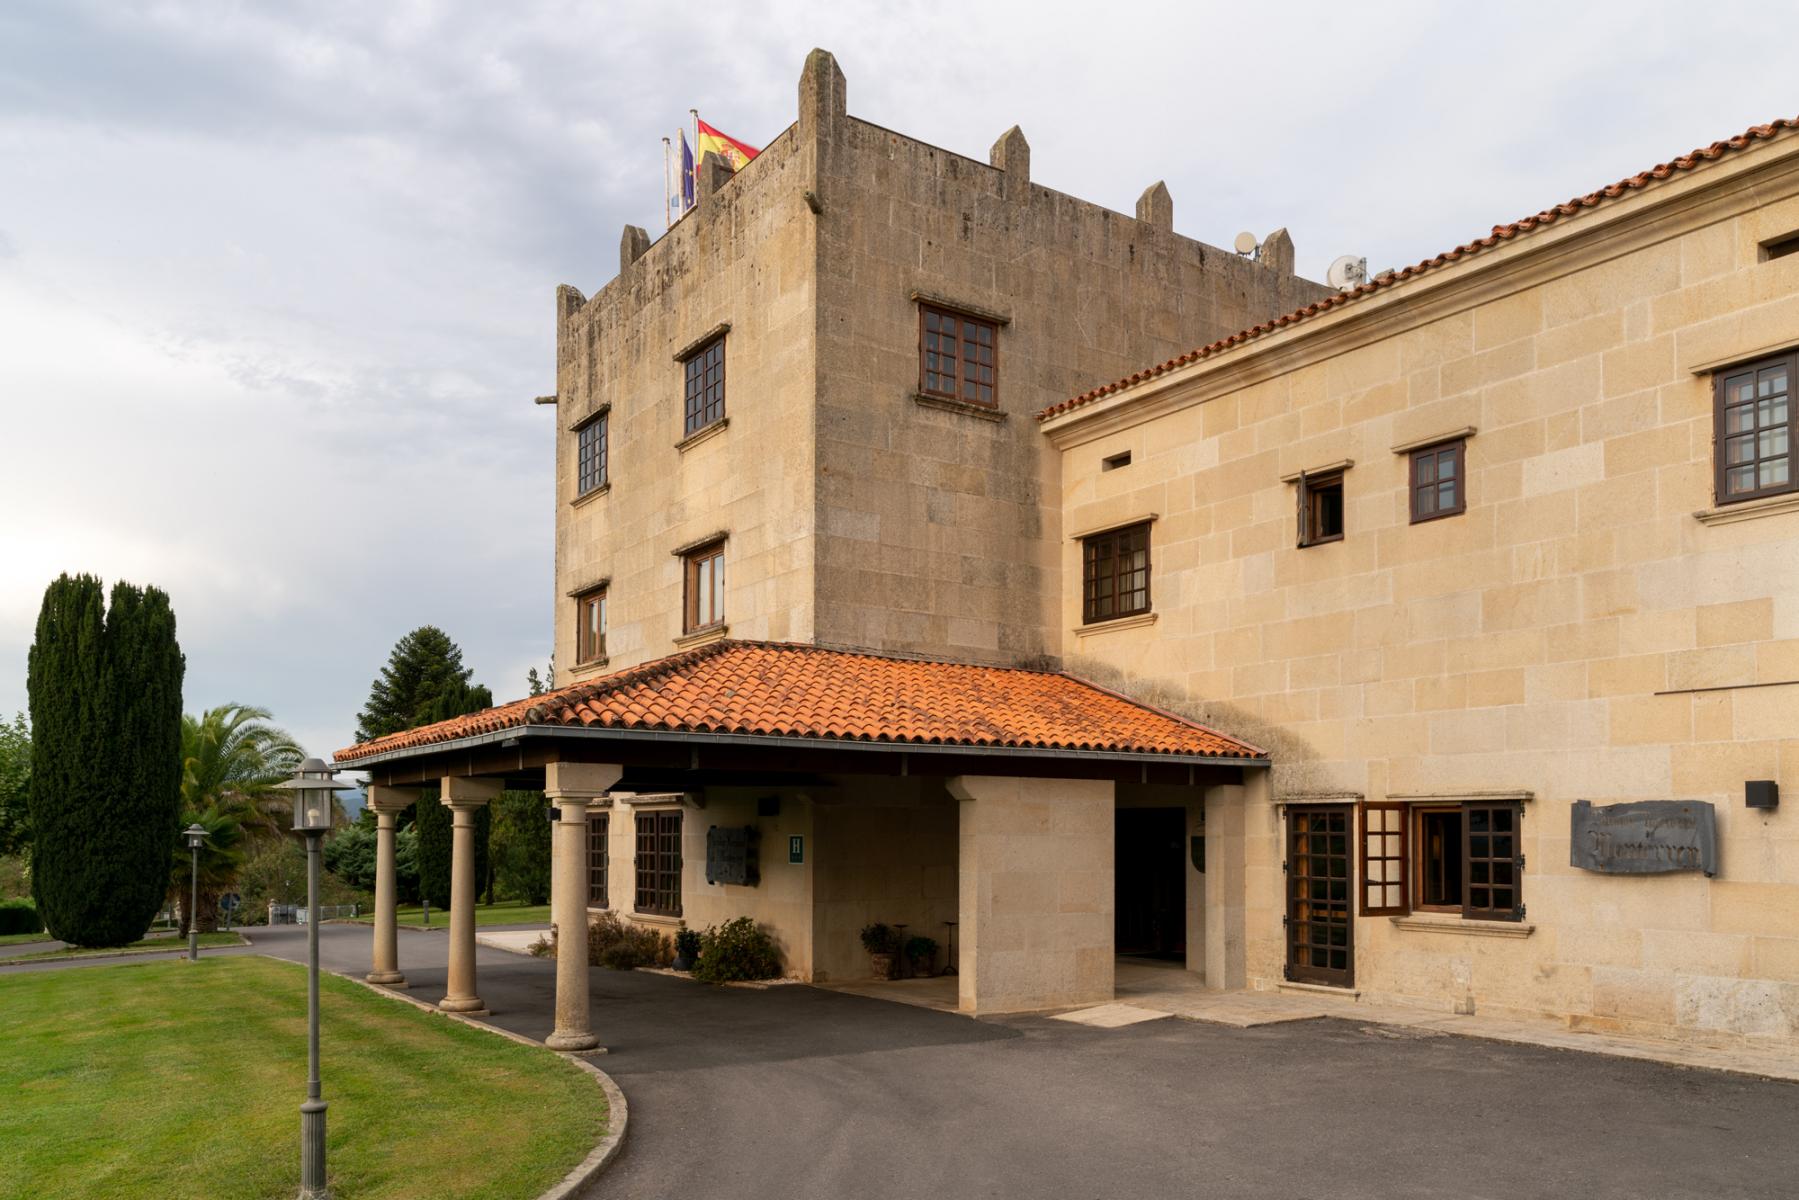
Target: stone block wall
1593,627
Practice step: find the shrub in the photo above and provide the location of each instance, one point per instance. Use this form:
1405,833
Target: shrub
687,944
920,949
736,950
880,939
19,916
543,947
613,943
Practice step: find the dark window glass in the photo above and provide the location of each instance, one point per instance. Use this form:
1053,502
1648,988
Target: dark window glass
705,588
957,356
706,386
1439,488
1115,574
590,455
1755,430
659,863
599,832
1440,858
590,629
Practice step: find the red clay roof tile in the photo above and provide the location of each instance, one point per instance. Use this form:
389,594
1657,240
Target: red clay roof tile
1501,233
791,690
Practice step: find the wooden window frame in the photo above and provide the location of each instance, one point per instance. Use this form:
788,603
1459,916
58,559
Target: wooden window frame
1721,437
1458,447
1092,547
691,573
965,391
658,862
592,450
1493,860
599,859
703,387
585,652
1309,488
1392,822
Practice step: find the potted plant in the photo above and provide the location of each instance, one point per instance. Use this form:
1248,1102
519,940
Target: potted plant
882,945
687,948
920,951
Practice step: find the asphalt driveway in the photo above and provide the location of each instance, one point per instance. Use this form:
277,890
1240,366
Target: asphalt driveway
793,1092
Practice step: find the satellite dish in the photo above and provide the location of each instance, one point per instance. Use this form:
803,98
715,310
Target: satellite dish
1347,272
1246,243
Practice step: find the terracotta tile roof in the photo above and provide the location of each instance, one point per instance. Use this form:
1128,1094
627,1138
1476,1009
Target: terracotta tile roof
1500,234
792,690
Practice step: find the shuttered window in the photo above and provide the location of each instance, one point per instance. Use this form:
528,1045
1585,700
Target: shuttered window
1385,887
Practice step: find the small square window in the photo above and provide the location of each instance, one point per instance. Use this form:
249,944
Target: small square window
1113,461
1439,487
590,626
1320,509
1756,425
1115,574
958,356
1780,247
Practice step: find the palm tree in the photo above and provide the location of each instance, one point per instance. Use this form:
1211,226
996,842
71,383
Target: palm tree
231,762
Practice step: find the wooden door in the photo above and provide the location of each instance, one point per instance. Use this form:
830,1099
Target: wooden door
1320,910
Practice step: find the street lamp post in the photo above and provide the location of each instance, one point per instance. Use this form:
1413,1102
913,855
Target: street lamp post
312,786
196,837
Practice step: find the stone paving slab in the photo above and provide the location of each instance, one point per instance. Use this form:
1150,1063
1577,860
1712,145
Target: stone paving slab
1111,1016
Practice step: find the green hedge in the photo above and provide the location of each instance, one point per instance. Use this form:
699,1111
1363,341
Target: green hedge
19,916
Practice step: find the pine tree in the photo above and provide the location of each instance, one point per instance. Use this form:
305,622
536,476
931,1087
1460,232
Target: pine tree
105,689
424,681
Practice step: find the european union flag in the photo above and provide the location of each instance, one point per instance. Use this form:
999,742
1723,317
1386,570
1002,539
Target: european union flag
687,181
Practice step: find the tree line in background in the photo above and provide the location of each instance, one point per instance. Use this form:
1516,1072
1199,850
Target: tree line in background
96,788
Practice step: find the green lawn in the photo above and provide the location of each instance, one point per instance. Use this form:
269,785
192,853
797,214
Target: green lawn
19,939
505,912
166,1079
138,947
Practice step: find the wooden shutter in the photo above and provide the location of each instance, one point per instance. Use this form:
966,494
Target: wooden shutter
1492,862
1385,883
1304,492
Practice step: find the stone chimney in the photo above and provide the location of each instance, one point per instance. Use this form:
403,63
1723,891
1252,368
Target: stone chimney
1156,207
1277,252
823,94
1012,154
632,246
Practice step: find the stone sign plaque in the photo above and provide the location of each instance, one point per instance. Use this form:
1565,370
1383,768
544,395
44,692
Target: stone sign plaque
1646,837
731,855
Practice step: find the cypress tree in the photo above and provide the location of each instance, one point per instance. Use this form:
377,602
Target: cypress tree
424,681
105,690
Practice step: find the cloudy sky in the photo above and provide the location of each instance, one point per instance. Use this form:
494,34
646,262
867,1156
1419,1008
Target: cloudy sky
276,279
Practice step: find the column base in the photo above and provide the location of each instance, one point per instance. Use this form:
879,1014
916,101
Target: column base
392,979
572,1043
470,1006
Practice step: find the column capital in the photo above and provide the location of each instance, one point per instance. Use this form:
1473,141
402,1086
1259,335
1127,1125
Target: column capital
460,792
580,781
384,799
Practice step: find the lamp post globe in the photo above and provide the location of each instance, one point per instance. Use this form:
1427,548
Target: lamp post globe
196,836
312,786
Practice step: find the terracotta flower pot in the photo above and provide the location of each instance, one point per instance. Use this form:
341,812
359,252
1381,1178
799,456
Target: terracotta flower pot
882,965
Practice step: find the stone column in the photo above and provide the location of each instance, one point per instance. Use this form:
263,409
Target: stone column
571,787
463,797
1036,901
384,960
1227,887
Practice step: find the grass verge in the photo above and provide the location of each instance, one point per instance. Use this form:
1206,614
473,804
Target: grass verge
161,945
174,1079
506,912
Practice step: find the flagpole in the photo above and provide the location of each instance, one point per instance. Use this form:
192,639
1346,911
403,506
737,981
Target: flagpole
698,154
666,223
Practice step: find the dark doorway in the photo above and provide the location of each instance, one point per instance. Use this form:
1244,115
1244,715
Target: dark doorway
1151,878
1320,926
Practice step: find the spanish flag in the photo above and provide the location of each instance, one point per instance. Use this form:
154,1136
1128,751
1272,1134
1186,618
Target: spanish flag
711,141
